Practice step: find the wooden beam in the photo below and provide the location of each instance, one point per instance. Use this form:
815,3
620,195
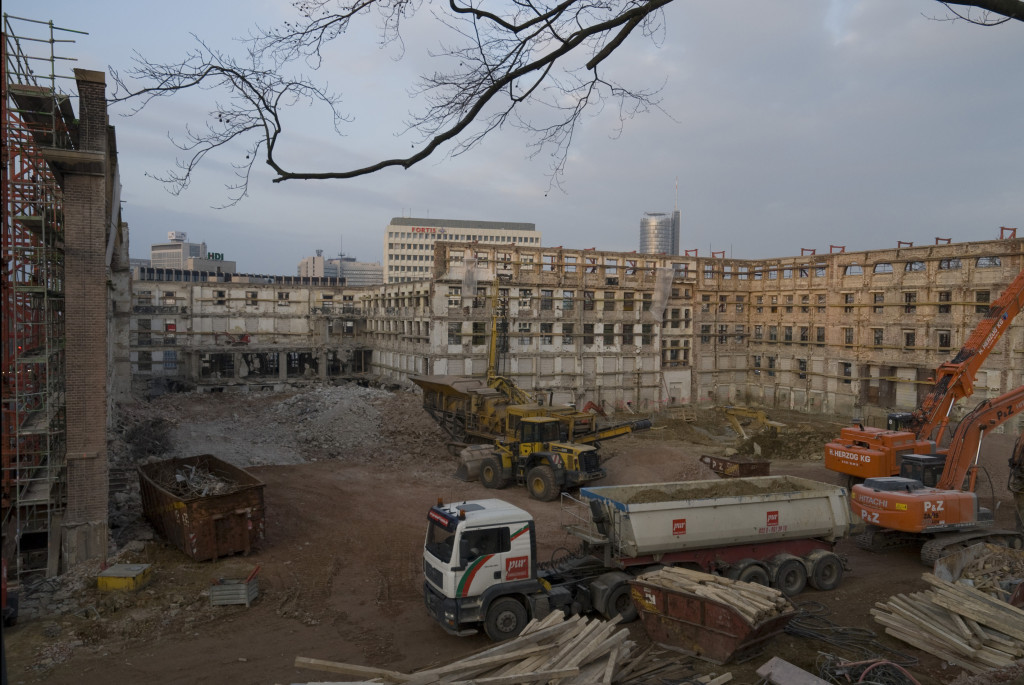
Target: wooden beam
350,669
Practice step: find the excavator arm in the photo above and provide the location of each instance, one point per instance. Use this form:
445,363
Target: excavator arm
954,379
966,441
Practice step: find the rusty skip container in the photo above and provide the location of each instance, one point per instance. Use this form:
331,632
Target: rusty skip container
736,466
702,627
206,507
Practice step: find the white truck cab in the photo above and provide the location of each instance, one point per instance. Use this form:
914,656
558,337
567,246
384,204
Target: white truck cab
475,552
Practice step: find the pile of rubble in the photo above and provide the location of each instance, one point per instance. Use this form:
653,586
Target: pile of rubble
354,423
345,422
189,481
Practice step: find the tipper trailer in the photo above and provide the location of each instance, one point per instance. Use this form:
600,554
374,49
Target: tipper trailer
480,557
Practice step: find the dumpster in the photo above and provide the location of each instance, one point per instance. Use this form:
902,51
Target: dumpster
700,626
206,507
736,466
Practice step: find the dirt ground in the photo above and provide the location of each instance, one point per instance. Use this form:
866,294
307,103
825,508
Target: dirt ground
350,474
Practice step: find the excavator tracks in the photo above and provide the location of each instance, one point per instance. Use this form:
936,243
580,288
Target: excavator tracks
875,539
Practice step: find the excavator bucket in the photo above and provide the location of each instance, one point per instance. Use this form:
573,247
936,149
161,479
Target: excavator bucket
469,461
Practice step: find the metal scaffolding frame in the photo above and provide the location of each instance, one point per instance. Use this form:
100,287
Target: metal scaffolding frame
35,124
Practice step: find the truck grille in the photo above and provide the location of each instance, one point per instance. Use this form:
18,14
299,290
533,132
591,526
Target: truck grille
432,574
589,462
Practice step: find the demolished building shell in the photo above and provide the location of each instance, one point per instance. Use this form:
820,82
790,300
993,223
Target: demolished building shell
856,333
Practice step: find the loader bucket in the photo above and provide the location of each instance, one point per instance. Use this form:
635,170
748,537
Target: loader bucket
469,461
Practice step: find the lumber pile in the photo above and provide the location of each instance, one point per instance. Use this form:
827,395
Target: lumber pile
573,651
754,603
957,623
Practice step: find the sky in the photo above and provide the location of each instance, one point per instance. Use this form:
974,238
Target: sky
785,125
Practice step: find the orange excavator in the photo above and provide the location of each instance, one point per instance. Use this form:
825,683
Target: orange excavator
867,452
934,498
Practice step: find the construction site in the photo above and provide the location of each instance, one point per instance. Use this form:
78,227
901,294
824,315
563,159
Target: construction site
199,469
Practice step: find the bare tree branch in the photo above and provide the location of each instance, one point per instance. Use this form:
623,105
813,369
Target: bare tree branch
1006,9
534,66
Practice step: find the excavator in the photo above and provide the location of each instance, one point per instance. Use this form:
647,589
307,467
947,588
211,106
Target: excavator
863,452
934,499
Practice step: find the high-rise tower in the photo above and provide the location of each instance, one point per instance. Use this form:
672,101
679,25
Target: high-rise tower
659,233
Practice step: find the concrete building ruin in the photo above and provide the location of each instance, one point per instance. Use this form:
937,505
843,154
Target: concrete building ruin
856,333
852,334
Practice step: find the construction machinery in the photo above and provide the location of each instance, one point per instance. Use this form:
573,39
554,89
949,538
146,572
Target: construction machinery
757,419
540,458
502,436
547,448
934,499
480,557
863,452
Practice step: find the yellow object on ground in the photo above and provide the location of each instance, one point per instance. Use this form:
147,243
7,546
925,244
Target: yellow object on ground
124,577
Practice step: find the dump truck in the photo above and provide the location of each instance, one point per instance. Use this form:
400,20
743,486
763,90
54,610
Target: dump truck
481,569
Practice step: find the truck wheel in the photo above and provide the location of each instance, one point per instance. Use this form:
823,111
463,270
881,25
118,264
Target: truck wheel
506,618
827,572
620,603
753,572
790,575
540,481
490,474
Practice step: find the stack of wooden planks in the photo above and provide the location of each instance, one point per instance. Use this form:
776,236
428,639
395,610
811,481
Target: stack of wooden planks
573,651
753,602
957,623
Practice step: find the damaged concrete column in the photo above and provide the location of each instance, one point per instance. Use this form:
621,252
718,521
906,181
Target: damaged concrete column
87,217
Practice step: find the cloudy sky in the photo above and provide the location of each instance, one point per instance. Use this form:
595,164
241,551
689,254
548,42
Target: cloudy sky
787,125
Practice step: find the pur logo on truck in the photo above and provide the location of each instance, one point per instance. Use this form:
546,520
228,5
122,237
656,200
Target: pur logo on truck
517,568
679,527
772,524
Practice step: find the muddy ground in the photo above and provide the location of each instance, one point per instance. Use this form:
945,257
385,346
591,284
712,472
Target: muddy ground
350,473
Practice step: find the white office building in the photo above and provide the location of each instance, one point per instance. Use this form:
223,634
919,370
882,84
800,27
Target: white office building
175,252
409,242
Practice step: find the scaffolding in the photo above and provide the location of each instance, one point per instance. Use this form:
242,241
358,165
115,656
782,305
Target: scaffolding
36,118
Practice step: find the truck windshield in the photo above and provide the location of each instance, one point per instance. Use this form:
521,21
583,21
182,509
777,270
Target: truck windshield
440,543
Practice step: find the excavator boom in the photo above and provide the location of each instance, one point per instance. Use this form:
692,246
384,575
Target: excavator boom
865,452
955,379
966,440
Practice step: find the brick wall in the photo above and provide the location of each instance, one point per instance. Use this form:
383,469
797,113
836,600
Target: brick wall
86,221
